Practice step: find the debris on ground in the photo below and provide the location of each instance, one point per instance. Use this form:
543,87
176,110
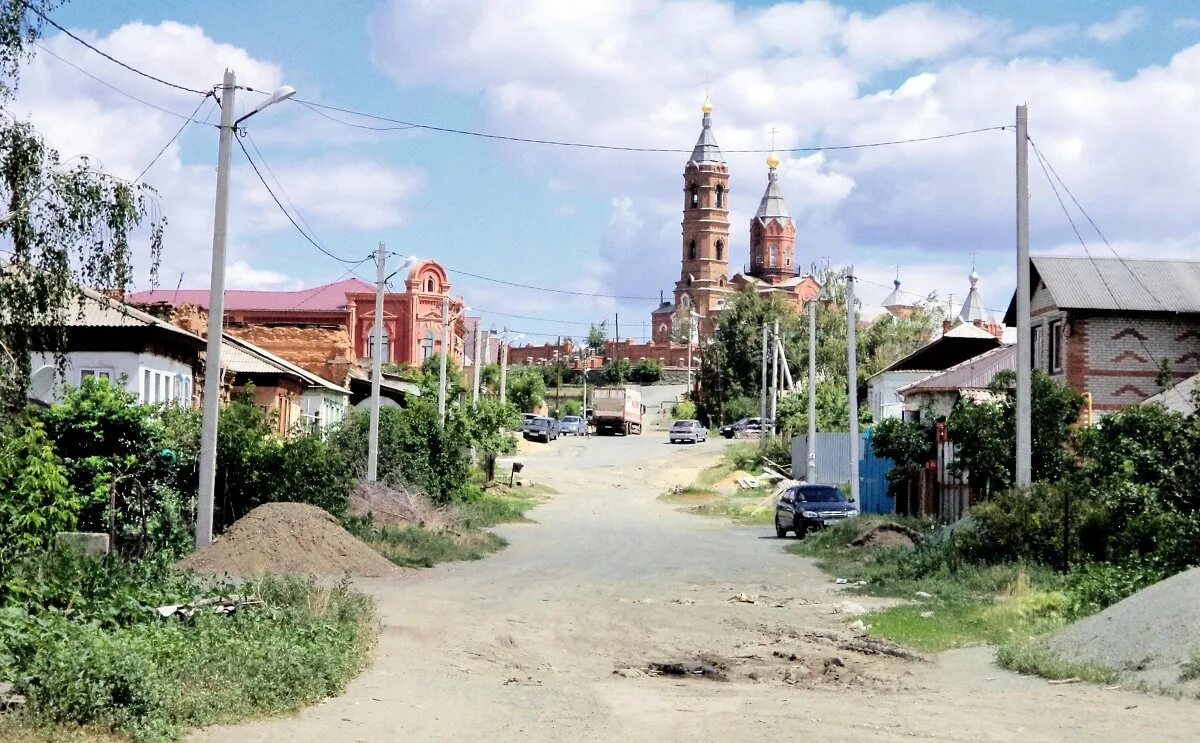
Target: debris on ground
9,700
857,626
887,534
288,538
851,608
841,581
224,605
395,505
923,595
688,668
1147,638
743,598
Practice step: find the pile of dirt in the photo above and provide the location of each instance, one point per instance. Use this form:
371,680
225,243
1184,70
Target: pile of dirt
388,505
288,538
887,534
730,481
1146,638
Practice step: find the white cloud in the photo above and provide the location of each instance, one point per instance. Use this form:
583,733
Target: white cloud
241,275
1125,23
631,73
1186,23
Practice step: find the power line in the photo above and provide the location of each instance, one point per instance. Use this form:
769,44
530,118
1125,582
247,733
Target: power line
279,184
113,59
171,141
313,105
543,288
315,291
117,90
482,311
319,112
287,214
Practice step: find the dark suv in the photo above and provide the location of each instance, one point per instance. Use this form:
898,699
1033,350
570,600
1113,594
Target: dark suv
807,507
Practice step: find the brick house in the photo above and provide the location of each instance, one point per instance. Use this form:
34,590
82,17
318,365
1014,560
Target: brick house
1110,328
328,328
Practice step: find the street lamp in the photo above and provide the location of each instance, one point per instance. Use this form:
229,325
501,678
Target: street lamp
810,474
216,304
505,342
381,281
446,320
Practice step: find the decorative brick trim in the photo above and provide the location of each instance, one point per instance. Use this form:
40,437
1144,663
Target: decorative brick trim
1129,355
1129,332
1192,355
1130,388
1189,333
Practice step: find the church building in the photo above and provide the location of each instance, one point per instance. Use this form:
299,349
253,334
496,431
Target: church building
704,280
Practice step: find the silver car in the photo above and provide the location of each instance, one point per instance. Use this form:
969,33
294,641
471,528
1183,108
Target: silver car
572,424
688,430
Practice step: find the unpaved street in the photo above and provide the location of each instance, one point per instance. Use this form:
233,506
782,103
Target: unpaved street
524,645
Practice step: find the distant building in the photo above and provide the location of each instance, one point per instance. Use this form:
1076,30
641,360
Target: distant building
935,395
1110,328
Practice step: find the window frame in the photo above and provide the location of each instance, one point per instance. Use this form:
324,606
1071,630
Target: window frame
692,250
1055,336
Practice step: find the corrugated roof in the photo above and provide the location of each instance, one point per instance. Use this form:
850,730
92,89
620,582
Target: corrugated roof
1080,282
327,297
974,373
95,310
245,357
1178,398
706,150
952,348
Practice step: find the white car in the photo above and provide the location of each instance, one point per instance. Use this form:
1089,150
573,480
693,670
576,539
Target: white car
688,430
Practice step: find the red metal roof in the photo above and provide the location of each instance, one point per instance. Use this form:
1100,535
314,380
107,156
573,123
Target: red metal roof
319,298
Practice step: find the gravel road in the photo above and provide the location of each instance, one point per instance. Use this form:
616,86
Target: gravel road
550,639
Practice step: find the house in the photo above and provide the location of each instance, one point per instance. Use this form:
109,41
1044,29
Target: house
1181,398
393,391
326,329
155,360
1111,328
296,396
956,345
935,395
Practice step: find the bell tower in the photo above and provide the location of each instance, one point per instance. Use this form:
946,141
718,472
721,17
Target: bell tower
772,233
705,259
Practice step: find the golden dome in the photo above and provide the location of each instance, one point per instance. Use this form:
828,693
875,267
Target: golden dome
772,161
707,107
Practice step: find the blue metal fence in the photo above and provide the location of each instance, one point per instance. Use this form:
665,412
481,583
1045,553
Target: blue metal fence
833,467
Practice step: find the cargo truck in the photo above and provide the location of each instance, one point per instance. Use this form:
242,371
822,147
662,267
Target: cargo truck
617,410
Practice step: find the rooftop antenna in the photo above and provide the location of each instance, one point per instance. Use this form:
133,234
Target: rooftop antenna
175,299
772,139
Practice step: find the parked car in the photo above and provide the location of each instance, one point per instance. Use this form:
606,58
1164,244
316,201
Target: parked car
807,507
526,417
687,430
572,424
540,427
746,427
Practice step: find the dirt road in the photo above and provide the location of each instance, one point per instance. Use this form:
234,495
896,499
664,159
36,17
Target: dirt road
524,645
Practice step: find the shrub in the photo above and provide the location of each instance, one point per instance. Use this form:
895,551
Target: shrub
526,388
909,444
35,498
1096,586
646,371
572,407
685,410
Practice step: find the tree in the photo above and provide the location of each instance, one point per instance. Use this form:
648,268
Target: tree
526,388
66,225
909,444
595,338
489,378
646,371
36,501
488,423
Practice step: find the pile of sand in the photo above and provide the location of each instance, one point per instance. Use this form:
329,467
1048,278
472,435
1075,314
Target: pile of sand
887,534
292,538
730,481
1146,638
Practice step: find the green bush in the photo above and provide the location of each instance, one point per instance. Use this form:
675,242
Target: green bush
571,407
526,388
685,410
110,660
646,371
1095,586
36,499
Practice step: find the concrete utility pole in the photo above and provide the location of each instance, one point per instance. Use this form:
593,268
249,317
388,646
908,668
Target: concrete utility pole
376,366
810,474
1024,473
216,312
504,366
775,374
445,354
762,415
478,365
852,374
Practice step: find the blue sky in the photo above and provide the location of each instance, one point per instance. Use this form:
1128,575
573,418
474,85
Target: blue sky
1110,105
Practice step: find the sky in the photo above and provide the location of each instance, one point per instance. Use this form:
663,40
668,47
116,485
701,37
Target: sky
1113,91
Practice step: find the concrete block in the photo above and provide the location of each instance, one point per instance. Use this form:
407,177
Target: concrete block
88,544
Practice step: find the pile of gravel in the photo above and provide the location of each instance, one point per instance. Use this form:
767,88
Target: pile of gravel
1145,638
288,538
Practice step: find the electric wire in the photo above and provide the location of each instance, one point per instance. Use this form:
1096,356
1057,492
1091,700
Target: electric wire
322,114
117,90
543,288
312,105
279,185
349,272
171,141
113,59
287,214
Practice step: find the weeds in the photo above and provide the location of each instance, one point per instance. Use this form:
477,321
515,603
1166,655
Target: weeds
1030,657
1189,670
413,546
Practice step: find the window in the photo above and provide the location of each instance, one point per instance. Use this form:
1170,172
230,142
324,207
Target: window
146,385
1039,347
720,196
427,345
720,247
689,281
773,253
430,286
721,281
787,262
692,250
693,196
1056,346
99,373
385,342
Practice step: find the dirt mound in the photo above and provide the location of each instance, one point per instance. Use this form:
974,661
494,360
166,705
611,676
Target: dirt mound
291,538
887,534
387,505
1147,637
731,480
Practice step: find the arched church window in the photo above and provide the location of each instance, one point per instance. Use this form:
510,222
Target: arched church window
788,262
692,250
721,281
774,256
371,344
430,286
720,196
689,281
427,345
720,245
693,196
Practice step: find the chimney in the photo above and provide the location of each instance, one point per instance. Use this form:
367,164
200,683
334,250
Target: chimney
946,325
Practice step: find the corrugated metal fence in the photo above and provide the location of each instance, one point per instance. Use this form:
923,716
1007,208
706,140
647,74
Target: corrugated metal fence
833,467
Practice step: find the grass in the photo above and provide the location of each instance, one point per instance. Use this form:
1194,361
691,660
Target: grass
1189,670
1030,657
113,665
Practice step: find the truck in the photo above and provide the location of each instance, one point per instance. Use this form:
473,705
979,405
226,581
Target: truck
617,410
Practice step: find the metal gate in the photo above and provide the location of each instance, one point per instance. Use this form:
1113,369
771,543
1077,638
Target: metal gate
872,480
